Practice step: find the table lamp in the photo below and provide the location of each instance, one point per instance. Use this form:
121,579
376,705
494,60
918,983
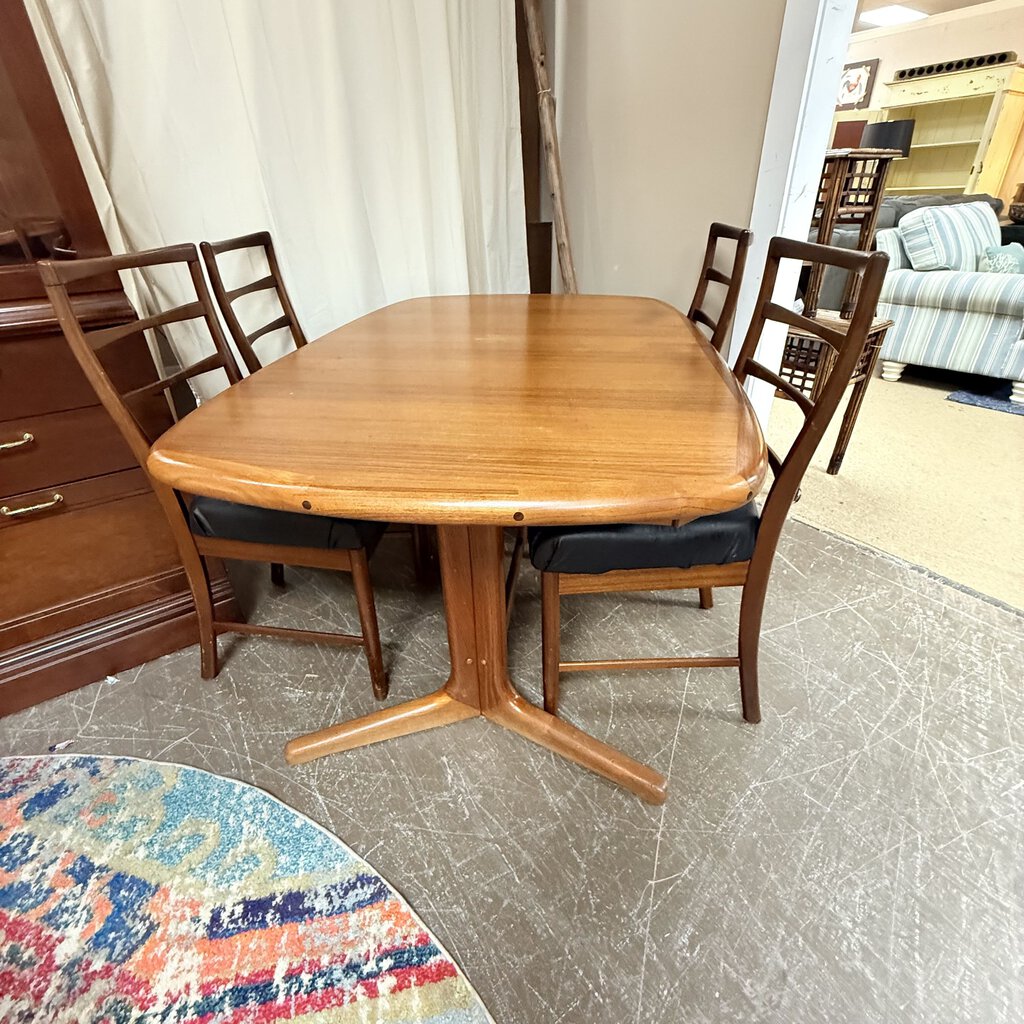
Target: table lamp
888,135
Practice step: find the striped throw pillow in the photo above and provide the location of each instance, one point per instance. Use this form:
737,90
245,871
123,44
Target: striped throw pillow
949,237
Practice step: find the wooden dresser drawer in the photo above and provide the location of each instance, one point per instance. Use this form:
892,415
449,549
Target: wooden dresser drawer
64,447
83,564
40,375
53,503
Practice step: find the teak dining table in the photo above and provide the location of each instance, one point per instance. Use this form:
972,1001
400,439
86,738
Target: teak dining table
477,413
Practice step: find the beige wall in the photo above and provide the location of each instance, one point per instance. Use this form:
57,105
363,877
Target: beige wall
971,32
662,107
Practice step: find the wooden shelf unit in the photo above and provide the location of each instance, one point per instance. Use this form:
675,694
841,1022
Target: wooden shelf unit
945,145
910,189
966,125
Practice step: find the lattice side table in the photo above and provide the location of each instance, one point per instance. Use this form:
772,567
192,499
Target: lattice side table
806,362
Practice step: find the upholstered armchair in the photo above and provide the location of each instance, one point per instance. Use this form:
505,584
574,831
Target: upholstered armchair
946,312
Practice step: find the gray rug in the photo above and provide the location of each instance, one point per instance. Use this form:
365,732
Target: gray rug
995,397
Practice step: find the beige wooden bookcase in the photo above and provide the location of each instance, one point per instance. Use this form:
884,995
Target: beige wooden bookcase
967,125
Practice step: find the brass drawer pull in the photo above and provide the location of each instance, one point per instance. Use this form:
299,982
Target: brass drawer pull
28,509
26,438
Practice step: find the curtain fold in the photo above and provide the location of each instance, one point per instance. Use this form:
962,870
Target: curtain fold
378,141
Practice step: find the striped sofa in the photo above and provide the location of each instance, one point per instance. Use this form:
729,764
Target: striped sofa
945,312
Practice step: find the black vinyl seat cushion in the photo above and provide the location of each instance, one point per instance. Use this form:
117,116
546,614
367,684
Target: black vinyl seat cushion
713,540
226,520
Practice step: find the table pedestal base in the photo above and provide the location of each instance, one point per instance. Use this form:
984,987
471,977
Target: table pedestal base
471,571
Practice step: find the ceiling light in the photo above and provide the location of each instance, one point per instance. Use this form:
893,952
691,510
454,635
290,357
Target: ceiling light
894,14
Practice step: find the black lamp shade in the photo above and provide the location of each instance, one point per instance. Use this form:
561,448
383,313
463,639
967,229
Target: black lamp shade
888,135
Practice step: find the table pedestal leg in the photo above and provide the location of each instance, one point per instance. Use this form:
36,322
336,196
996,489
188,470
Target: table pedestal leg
471,570
437,708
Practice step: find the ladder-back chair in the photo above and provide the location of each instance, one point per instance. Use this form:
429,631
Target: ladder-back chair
710,274
698,313
732,549
207,527
227,297
424,543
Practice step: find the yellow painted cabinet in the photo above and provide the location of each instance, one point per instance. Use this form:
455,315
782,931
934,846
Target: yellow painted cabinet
967,126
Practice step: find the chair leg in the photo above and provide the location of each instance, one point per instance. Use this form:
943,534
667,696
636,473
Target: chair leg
512,578
751,608
199,584
368,621
707,598
277,574
551,641
424,553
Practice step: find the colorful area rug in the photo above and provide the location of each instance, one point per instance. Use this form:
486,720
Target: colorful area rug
990,394
133,892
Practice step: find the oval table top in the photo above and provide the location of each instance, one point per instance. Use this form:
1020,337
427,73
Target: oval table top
489,409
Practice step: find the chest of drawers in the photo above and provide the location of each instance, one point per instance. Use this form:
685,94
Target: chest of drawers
90,581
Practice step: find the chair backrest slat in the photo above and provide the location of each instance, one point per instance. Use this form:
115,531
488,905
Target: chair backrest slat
700,317
255,286
709,274
88,346
274,325
79,270
108,335
226,297
833,338
206,365
783,385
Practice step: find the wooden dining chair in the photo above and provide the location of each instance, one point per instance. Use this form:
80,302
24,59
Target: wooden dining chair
207,527
423,539
731,549
698,313
710,274
227,297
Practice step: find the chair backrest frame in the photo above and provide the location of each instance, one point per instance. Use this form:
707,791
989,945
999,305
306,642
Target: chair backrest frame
846,347
709,274
57,276
226,297
85,344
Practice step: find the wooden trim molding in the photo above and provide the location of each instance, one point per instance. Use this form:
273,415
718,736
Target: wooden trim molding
36,316
65,661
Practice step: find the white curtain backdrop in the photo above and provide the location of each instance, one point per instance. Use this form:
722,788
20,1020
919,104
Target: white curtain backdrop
377,140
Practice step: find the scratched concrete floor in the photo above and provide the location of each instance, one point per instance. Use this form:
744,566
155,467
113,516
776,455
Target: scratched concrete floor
856,858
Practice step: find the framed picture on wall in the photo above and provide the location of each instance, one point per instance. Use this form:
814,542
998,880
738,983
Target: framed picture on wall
856,85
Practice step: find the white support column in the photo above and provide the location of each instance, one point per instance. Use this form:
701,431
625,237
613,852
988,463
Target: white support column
812,51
